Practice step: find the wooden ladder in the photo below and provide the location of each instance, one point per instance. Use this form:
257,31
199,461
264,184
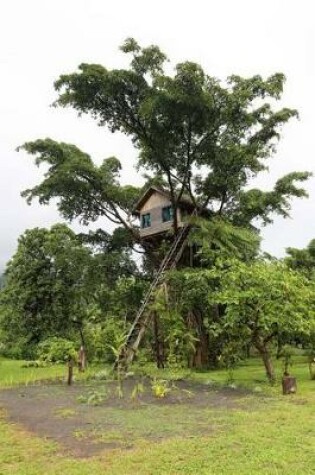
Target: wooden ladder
143,317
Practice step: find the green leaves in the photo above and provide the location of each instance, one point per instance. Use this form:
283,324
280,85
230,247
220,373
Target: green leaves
244,304
145,60
255,203
261,295
185,120
219,239
46,284
202,138
82,189
302,260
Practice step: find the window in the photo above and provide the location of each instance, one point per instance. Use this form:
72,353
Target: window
146,220
167,214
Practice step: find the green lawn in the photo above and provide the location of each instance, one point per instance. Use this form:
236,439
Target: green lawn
269,434
13,373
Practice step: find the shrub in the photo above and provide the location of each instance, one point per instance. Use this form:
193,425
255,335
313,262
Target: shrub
160,388
56,350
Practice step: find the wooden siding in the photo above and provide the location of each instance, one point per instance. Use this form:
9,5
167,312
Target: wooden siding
156,200
158,228
157,225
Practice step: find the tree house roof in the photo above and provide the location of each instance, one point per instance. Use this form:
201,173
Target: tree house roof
184,202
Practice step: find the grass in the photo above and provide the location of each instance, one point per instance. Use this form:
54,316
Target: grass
12,373
269,434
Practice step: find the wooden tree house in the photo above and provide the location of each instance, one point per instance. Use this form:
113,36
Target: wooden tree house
156,214
156,218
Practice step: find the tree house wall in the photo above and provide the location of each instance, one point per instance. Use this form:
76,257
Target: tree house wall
153,206
156,200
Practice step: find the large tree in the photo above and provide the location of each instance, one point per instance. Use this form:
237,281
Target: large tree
47,286
198,136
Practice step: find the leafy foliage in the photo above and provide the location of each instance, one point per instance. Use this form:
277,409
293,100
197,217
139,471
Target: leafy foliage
262,300
302,260
94,397
57,350
46,285
160,388
203,140
219,239
200,137
243,304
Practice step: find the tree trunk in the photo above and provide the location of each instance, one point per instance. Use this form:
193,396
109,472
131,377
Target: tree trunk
82,359
264,353
247,350
200,358
216,343
158,341
82,353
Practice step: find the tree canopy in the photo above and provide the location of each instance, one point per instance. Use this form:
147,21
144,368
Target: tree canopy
196,135
247,303
203,140
264,300
302,260
47,284
59,284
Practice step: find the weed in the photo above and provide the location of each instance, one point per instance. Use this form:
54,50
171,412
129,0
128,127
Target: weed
34,364
93,398
65,413
81,434
102,375
160,387
137,391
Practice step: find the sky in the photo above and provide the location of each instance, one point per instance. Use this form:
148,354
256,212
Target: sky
41,39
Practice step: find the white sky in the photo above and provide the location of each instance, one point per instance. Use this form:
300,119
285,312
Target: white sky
41,39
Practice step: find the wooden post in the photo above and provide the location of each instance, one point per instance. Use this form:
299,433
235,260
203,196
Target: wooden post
288,384
70,371
311,366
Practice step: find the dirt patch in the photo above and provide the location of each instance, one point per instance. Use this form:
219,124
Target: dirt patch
102,420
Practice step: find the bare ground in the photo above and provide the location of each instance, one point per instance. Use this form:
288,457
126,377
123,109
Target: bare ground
82,429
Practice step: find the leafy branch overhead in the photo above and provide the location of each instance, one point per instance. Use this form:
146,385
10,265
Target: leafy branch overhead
202,138
85,190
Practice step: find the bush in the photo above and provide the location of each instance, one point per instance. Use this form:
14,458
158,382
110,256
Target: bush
19,349
56,350
101,337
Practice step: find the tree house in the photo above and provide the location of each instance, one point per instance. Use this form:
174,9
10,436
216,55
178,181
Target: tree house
155,213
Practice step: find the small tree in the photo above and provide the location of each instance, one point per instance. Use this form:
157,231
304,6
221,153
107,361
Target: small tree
261,300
